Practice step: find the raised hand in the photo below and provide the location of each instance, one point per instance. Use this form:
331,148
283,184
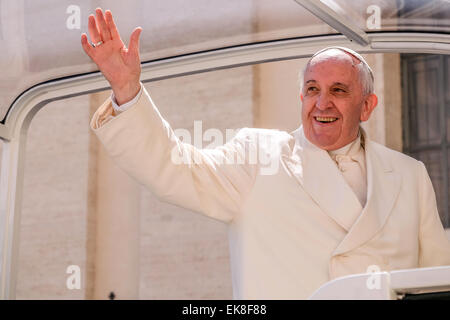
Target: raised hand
120,65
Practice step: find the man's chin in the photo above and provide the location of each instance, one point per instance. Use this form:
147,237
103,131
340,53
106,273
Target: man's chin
324,142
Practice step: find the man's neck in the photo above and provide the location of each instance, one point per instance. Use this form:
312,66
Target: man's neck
353,146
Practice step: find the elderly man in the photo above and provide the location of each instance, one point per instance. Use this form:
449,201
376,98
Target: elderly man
336,204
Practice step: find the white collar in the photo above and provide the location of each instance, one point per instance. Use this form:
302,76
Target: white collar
350,149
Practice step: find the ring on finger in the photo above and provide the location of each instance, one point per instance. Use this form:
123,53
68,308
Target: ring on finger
97,44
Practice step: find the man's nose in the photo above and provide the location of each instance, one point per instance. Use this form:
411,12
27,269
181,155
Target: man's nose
323,101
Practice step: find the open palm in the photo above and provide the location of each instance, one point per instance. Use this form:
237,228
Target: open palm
120,65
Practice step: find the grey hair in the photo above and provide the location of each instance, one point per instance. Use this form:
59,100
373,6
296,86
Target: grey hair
365,72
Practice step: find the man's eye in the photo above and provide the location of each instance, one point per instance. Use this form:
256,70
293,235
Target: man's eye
338,90
312,89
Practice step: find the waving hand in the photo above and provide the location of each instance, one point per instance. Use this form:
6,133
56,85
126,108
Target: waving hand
120,65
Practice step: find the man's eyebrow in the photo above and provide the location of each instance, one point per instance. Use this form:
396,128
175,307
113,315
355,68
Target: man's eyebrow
340,84
334,84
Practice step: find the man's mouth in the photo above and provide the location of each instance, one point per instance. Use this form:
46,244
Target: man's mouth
325,119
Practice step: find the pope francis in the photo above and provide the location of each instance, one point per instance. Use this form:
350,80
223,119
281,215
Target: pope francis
334,204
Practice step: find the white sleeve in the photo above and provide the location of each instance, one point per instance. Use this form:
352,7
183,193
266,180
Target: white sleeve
214,182
123,107
434,245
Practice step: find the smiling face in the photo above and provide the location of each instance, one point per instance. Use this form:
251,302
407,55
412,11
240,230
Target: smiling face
333,100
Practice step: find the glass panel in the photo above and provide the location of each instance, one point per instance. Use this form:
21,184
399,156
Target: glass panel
61,187
55,211
182,254
402,15
41,39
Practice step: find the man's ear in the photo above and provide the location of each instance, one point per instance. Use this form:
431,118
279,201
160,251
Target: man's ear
370,103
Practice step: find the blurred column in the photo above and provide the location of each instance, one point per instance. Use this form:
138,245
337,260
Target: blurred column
117,207
385,124
393,100
276,93
376,126
392,78
277,85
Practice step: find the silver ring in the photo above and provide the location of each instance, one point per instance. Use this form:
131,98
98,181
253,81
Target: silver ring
97,44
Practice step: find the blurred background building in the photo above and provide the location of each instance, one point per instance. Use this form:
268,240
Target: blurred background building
79,209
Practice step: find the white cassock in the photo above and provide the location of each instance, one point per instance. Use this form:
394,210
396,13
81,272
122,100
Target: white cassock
294,222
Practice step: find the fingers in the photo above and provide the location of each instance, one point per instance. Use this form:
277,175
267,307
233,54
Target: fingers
101,23
111,25
86,46
134,42
93,31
